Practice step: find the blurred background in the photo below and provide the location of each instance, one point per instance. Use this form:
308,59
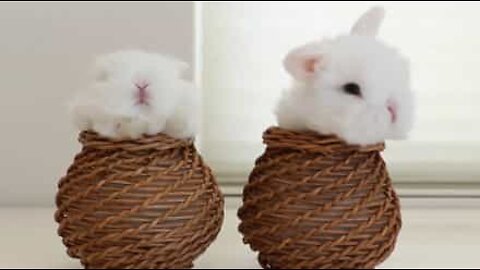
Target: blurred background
236,50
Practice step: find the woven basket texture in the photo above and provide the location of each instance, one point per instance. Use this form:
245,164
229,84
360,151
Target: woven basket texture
146,203
312,201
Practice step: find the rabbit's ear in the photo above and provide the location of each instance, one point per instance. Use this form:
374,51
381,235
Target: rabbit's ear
176,67
180,66
369,23
101,68
303,62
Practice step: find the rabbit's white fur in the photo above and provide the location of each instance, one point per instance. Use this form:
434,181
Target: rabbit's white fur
317,102
111,106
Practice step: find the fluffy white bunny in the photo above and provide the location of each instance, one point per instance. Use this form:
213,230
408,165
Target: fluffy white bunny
353,86
134,93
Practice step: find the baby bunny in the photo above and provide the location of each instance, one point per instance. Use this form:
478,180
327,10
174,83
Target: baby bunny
135,93
353,86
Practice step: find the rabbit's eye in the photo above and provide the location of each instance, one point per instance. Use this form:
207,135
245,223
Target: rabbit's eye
352,89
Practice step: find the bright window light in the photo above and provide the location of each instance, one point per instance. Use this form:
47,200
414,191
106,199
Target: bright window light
244,45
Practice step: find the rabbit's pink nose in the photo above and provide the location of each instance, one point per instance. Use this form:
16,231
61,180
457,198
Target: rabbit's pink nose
142,94
392,109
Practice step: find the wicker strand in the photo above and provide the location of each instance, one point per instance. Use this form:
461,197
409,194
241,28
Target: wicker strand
146,203
313,201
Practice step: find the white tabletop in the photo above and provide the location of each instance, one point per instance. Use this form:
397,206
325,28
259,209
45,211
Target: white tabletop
437,233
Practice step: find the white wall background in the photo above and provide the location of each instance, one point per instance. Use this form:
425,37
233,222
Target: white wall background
45,51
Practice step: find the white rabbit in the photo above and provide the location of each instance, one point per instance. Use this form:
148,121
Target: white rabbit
353,86
134,93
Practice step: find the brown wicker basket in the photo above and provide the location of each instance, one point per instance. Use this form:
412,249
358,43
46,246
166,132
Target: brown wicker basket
313,201
146,203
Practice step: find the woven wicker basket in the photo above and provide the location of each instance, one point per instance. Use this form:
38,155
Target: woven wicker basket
147,203
313,201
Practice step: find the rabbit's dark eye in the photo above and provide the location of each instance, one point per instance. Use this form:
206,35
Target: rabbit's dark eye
352,89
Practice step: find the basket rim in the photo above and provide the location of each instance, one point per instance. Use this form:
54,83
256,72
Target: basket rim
159,141
311,141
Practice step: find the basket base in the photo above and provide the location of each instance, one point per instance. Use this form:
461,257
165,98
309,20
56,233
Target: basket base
158,266
266,265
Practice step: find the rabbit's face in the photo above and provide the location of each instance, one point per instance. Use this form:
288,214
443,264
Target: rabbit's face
361,89
136,81
357,88
133,93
